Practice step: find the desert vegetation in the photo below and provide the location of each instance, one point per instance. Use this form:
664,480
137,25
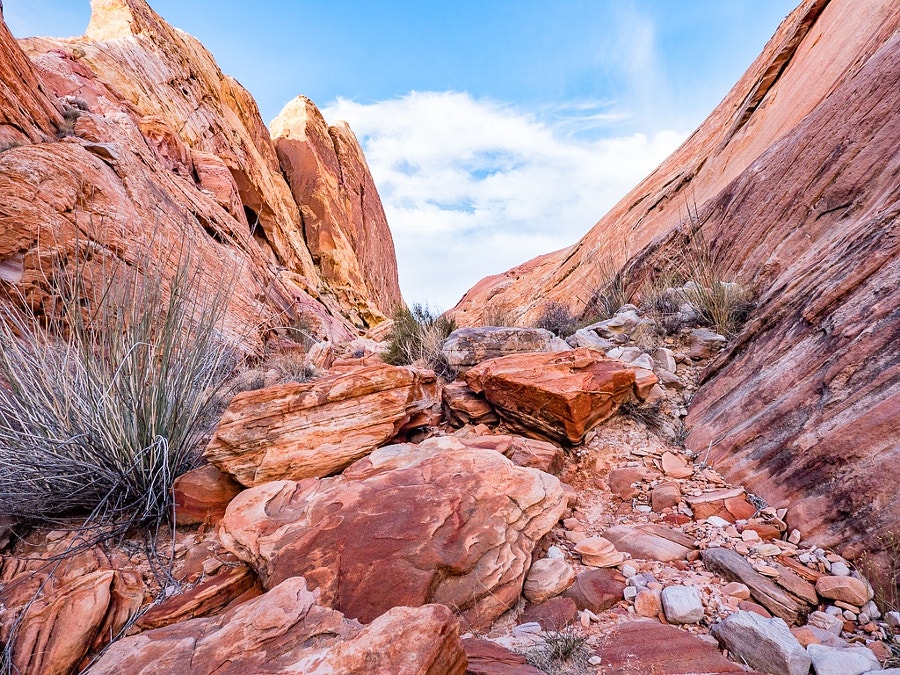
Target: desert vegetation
417,336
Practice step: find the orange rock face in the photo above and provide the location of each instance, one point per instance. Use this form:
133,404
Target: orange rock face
287,631
343,219
314,429
793,178
560,395
131,133
407,525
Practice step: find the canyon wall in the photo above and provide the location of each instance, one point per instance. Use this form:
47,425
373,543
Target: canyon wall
794,180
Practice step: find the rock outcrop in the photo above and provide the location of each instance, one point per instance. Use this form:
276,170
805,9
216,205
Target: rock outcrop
407,525
287,631
559,395
343,220
316,428
793,180
130,141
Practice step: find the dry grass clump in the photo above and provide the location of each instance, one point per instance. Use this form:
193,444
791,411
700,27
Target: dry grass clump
607,299
648,414
499,316
417,335
103,405
557,318
562,652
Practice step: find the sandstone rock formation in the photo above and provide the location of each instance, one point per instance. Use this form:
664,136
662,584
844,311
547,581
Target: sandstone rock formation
793,181
467,347
287,631
562,396
129,140
407,525
317,428
343,221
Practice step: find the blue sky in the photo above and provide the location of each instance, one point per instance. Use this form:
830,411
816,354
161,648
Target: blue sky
496,130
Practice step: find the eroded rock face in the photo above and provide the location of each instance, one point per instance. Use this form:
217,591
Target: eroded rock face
343,219
130,135
562,396
794,177
300,430
407,525
287,631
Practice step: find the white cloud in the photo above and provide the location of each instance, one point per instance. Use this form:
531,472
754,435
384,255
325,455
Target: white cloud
473,187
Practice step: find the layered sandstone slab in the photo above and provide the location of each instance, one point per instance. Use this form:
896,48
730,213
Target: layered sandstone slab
793,180
407,525
313,429
560,395
467,347
287,631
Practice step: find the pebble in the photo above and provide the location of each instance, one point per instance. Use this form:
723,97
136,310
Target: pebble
530,628
628,571
630,592
643,508
716,521
555,553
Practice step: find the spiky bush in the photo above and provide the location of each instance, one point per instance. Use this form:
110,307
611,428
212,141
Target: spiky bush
557,318
417,336
103,404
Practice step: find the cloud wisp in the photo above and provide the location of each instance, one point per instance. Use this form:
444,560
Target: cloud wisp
474,187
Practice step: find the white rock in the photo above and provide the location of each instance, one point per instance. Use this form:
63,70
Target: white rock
827,622
716,521
893,620
872,610
628,571
643,361
847,661
839,569
555,553
764,644
682,604
665,359
834,611
630,592
529,628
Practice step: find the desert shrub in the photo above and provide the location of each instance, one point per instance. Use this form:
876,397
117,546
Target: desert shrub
557,318
103,404
417,335
648,414
562,652
882,569
291,368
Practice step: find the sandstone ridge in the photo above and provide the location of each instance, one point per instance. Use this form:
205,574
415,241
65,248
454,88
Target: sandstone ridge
131,136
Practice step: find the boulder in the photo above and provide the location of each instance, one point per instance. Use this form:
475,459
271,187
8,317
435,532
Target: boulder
650,542
316,428
546,579
211,596
854,660
522,451
407,525
705,343
561,396
79,616
287,631
765,644
845,589
551,615
597,590
682,604
467,347
202,494
666,495
642,647
489,658
622,481
463,406
732,565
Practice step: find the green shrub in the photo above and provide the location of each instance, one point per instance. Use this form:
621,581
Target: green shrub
417,336
104,403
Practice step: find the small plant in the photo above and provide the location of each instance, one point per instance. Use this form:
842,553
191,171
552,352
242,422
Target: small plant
417,336
557,318
291,368
563,652
648,414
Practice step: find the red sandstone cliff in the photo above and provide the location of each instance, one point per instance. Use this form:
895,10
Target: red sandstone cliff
132,132
796,179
